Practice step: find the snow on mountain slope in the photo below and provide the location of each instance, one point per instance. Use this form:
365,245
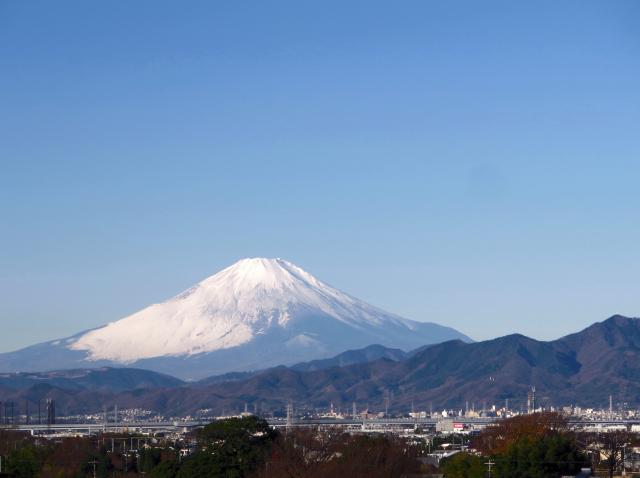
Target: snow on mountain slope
229,309
258,313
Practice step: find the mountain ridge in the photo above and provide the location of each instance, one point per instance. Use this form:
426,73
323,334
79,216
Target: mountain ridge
448,375
454,372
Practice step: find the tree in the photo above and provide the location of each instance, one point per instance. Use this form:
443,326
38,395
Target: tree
546,456
166,469
539,445
69,458
609,448
496,439
229,448
23,463
463,465
149,459
378,456
312,453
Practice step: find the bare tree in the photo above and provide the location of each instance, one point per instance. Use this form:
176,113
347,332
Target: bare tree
312,453
609,448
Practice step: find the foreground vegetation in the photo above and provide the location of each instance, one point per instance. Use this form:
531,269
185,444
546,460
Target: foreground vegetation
237,447
540,445
532,446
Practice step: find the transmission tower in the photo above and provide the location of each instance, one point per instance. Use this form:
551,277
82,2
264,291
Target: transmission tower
387,400
289,415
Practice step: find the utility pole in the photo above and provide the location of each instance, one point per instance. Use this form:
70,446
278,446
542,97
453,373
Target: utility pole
489,464
94,467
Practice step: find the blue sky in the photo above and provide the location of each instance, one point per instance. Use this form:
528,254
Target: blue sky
470,163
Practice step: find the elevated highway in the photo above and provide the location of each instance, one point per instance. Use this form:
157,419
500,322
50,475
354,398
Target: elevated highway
369,424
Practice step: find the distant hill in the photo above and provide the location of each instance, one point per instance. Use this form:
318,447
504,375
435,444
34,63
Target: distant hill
350,357
89,390
105,379
582,369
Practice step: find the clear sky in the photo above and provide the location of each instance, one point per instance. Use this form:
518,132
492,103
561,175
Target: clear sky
475,164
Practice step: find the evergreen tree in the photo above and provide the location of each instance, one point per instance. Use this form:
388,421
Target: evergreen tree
463,465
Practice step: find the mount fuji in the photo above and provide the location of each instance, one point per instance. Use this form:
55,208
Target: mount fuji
254,314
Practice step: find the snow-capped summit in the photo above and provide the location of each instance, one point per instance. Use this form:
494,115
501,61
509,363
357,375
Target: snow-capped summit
256,313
